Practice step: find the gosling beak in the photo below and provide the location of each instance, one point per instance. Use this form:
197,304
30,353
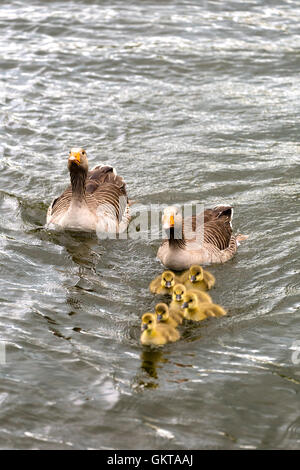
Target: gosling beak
178,297
75,157
193,278
185,305
144,326
168,284
159,317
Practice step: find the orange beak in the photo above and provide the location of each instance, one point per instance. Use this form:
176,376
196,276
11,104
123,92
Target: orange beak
75,157
168,221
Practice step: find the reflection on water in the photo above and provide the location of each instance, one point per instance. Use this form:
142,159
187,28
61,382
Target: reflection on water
150,360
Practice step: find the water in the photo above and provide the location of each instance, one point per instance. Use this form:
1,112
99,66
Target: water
191,102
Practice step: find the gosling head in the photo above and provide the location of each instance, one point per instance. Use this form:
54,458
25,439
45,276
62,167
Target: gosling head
162,312
77,160
167,279
195,273
178,292
190,301
148,322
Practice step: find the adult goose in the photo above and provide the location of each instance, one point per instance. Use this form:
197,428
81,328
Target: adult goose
207,238
96,200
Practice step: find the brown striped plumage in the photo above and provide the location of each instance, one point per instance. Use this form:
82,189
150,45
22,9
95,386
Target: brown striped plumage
95,200
203,239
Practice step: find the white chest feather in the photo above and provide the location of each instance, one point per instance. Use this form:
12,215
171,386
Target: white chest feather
77,217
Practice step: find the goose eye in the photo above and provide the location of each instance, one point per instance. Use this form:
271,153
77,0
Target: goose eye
150,321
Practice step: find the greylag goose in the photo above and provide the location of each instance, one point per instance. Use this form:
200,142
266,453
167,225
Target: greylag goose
96,200
210,239
156,334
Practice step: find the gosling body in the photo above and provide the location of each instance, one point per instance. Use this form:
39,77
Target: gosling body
164,283
198,311
197,278
156,334
164,317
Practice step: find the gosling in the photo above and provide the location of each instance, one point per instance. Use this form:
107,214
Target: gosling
197,278
198,311
164,283
163,315
156,334
179,291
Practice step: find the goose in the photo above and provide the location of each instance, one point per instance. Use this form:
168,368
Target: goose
197,278
156,334
164,283
206,239
96,200
197,311
163,315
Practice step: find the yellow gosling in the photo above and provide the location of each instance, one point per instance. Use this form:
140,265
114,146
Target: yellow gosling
197,278
164,283
202,296
198,311
175,309
163,315
156,334
177,300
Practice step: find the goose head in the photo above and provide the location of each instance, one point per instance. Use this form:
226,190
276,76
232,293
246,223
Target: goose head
77,160
171,217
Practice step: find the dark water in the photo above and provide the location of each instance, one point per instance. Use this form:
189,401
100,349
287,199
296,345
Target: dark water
191,101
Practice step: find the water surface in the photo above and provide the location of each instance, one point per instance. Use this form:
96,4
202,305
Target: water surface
192,102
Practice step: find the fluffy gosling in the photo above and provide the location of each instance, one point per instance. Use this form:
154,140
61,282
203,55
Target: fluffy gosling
163,315
156,334
164,283
197,278
198,311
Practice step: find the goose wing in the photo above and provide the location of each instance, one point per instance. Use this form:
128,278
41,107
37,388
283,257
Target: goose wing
60,204
105,188
216,223
218,229
218,233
